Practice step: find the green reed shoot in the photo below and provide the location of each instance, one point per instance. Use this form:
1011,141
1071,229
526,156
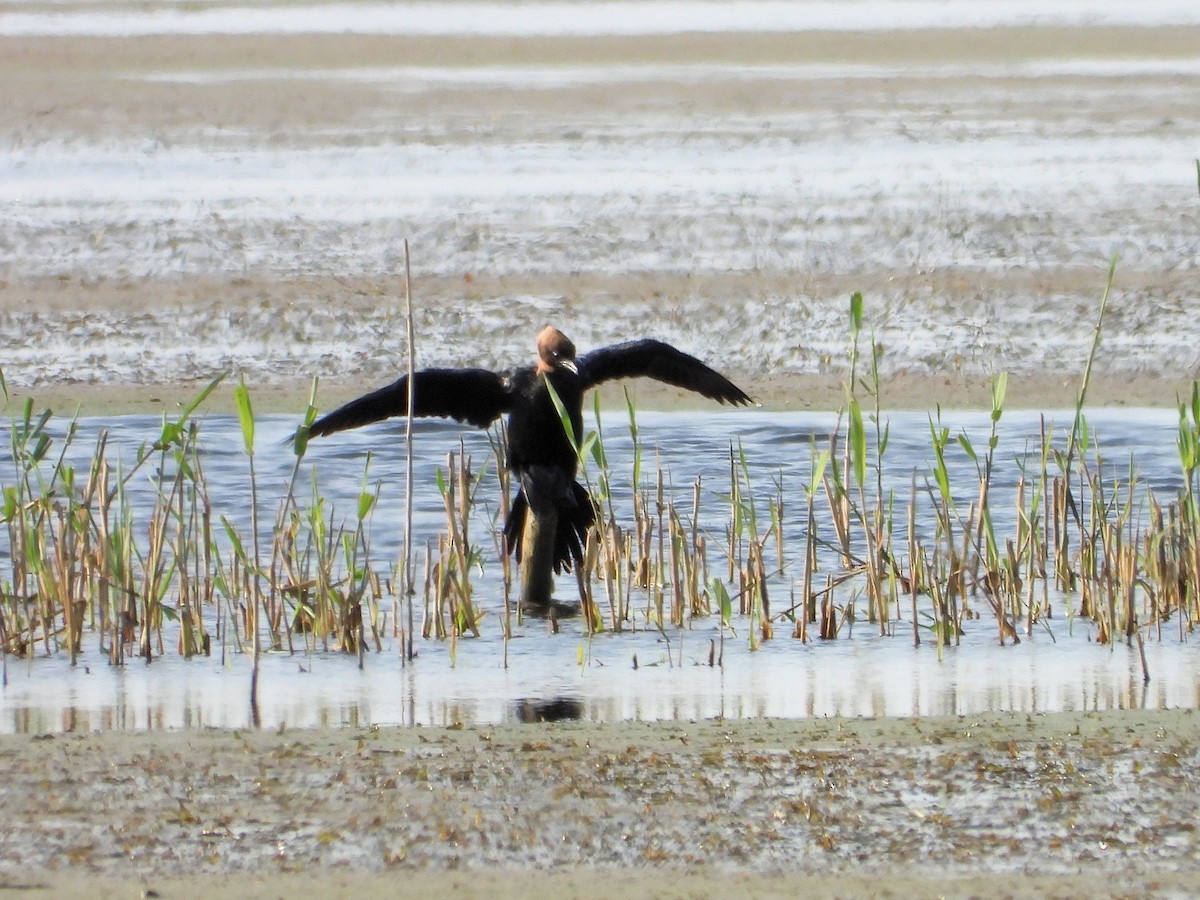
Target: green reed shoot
454,485
999,573
609,543
1078,429
251,562
586,446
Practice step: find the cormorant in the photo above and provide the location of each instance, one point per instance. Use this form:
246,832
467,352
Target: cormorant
540,453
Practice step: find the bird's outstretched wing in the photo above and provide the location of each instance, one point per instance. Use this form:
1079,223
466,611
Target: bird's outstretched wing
662,362
477,396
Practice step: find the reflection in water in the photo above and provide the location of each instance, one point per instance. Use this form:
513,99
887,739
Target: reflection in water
556,709
541,674
864,676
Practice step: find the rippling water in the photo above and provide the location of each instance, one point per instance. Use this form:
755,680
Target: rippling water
1059,667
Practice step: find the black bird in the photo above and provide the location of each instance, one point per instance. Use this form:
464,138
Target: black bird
540,453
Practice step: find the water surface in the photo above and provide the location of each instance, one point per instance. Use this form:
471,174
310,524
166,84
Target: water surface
644,674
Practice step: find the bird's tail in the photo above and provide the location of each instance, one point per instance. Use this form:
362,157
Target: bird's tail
576,513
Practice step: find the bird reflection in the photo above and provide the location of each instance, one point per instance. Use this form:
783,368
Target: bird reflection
557,709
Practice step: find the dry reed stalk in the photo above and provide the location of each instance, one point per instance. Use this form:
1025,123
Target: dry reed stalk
878,598
1162,569
761,592
1192,567
1064,576
914,574
939,605
408,590
777,515
469,554
1127,579
1089,604
590,610
839,511
1104,583
429,606
1010,592
734,529
444,596
827,630
675,527
628,597
456,593
614,566
944,585
697,568
644,531
659,566
1026,554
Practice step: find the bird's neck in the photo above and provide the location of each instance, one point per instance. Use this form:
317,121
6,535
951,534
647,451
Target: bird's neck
546,370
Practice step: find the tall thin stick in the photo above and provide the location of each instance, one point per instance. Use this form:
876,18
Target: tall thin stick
246,419
409,590
1087,371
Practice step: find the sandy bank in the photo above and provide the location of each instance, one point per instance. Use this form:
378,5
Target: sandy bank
1059,805
779,393
123,304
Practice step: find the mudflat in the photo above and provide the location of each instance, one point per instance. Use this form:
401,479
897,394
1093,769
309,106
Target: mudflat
1061,805
124,306
127,316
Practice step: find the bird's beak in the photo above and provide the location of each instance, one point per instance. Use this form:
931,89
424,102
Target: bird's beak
569,364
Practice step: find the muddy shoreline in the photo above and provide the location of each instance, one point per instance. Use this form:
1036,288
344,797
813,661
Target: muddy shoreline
778,394
1062,805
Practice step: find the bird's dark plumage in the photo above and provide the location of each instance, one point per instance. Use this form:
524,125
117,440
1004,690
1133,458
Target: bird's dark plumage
477,396
539,452
662,362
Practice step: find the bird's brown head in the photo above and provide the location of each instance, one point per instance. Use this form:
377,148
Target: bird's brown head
554,350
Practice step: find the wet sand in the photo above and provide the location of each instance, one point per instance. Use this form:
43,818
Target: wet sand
1062,805
1005,805
117,320
779,393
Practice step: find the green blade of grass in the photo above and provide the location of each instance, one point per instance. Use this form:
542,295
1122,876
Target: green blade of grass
202,396
300,438
564,416
999,389
245,415
858,442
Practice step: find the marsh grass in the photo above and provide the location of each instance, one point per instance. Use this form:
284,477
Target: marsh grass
810,551
450,608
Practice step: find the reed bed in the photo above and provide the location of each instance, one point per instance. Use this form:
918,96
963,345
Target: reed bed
805,554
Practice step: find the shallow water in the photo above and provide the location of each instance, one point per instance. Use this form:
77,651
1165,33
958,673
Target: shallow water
1023,166
1058,667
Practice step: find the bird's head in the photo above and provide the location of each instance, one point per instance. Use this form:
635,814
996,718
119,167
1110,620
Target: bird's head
555,351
